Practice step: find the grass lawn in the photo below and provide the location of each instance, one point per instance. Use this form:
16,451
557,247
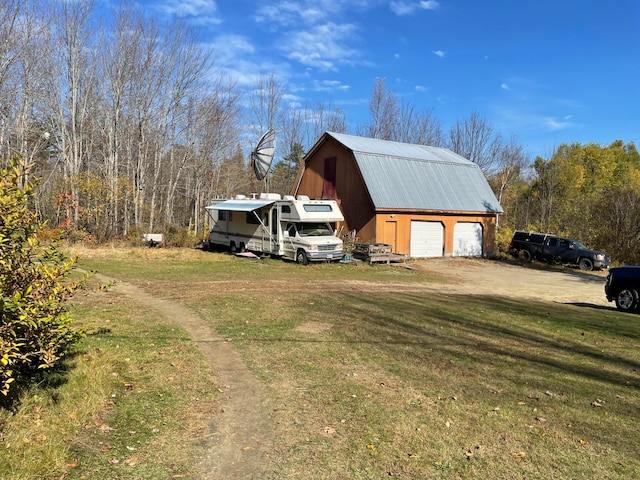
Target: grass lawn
372,372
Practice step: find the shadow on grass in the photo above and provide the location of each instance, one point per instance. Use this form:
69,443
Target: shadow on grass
43,382
488,329
590,305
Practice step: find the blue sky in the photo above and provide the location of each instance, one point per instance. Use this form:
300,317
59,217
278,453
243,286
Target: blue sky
545,71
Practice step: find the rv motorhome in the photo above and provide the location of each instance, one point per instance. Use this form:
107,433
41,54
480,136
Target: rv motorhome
297,229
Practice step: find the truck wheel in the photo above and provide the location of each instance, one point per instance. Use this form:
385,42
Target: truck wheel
627,299
525,255
585,264
301,257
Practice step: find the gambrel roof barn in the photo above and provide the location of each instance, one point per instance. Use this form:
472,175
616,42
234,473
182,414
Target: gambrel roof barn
424,201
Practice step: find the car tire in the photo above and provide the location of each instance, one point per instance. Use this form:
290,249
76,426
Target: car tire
525,255
627,299
585,264
301,257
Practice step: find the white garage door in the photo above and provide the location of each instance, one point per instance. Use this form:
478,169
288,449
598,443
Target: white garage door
467,239
427,239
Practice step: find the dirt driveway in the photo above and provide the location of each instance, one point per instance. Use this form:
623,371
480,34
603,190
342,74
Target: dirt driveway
536,281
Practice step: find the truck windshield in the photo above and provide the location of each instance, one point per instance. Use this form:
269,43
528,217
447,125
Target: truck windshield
314,229
579,245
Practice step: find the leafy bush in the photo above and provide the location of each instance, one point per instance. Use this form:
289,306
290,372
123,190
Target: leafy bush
35,330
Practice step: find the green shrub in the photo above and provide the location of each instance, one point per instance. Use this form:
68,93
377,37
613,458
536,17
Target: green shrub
35,330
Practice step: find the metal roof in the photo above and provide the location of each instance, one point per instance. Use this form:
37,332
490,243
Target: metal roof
406,176
236,205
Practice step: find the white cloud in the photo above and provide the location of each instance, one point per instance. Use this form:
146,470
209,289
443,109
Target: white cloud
439,53
228,47
421,88
563,123
330,86
321,46
429,4
504,86
308,12
201,12
406,7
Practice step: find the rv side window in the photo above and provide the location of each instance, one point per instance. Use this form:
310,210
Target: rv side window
286,209
314,207
224,215
252,217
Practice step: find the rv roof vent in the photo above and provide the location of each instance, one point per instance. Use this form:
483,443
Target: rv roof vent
240,197
269,196
303,197
288,197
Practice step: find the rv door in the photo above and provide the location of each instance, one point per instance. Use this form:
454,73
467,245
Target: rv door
288,247
270,232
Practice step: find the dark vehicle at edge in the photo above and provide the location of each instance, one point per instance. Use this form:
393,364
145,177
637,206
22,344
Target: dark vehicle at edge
623,287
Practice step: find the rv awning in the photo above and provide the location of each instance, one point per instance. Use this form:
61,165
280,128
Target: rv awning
240,205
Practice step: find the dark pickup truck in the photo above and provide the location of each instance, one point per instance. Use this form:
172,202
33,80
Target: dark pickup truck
553,249
622,286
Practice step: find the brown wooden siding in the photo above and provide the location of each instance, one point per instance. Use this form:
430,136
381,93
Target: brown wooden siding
350,189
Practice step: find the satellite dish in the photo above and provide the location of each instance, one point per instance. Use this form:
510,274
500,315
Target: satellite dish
262,155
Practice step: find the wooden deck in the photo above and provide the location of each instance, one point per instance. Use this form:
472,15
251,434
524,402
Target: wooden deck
376,253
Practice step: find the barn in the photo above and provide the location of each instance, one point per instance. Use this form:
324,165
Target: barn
423,201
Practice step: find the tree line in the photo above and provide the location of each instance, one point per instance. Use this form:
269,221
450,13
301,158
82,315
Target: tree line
129,127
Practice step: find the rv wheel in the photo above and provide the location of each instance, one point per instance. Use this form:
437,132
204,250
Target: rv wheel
301,257
232,248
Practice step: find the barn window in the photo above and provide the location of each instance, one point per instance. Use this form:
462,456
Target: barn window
329,183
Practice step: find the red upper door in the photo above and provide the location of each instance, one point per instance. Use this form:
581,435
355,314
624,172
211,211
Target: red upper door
329,181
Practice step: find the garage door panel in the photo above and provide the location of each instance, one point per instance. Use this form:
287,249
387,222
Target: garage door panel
427,239
467,239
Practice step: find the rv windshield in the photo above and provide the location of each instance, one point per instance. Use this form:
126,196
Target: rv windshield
314,229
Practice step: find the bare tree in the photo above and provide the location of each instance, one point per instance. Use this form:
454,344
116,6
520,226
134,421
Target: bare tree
475,139
384,112
418,127
510,162
266,102
217,137
73,32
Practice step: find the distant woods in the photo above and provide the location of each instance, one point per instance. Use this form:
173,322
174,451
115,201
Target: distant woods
128,126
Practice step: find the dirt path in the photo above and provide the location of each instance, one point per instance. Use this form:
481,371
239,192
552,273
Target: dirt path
239,435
